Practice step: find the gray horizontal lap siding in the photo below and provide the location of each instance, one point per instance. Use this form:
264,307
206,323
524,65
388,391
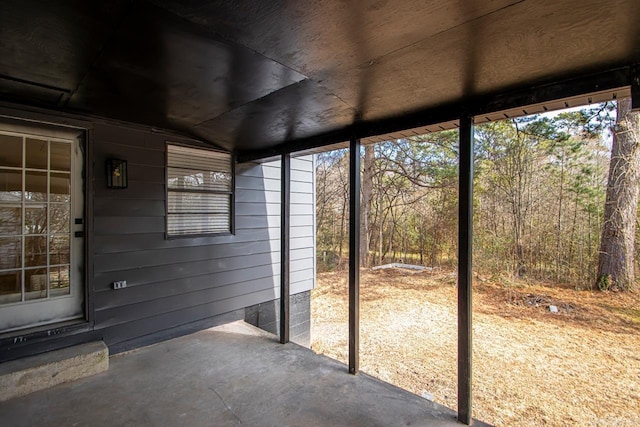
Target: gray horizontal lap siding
171,283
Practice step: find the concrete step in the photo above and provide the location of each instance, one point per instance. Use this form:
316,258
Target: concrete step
23,376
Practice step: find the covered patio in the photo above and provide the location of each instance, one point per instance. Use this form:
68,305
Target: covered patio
260,84
199,380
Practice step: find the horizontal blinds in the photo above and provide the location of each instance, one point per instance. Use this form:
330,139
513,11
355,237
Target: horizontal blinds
198,203
179,225
199,191
199,159
192,179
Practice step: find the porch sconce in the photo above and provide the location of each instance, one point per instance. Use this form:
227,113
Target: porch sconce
117,174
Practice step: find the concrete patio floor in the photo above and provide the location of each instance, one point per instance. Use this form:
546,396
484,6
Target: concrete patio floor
230,375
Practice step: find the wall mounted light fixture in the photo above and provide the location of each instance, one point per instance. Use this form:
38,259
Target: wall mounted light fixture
117,173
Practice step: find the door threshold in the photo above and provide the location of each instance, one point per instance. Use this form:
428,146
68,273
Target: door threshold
48,330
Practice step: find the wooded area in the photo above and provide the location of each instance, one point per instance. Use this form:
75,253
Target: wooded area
540,191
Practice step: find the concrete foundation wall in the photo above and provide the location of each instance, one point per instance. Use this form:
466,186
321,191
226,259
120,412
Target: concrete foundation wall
266,316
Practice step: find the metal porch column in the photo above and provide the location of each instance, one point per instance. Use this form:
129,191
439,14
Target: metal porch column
354,255
285,202
465,274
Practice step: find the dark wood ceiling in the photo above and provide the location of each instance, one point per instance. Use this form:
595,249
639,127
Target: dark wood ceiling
249,75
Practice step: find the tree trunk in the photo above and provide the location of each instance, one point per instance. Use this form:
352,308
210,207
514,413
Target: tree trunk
342,223
365,207
380,229
559,220
615,259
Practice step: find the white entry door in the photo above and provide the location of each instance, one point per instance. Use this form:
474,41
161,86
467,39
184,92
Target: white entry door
41,208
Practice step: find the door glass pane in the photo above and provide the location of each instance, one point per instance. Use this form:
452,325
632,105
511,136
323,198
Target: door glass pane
59,280
36,186
59,221
10,252
10,286
60,156
10,185
10,220
35,224
60,187
59,249
35,219
35,285
35,251
11,152
37,153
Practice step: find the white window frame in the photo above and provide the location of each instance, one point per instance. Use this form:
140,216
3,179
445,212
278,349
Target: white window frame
173,163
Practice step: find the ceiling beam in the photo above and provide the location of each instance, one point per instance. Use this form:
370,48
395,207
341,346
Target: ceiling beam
504,100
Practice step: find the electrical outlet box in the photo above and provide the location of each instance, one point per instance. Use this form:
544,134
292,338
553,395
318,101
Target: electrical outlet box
119,284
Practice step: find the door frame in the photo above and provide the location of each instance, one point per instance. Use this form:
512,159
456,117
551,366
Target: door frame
43,119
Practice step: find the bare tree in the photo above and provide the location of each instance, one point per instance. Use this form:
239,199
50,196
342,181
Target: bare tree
365,208
512,154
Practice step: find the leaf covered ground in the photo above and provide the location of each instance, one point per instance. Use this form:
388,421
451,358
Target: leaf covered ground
580,366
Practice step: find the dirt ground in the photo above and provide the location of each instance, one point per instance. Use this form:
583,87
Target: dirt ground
531,367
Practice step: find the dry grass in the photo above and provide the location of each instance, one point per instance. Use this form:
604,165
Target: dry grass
580,366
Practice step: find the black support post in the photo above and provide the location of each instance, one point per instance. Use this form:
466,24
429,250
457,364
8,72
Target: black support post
285,200
354,255
465,274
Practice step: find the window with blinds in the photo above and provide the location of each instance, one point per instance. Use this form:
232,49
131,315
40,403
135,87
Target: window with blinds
199,191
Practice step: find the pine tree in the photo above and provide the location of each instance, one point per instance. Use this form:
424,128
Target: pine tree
616,256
